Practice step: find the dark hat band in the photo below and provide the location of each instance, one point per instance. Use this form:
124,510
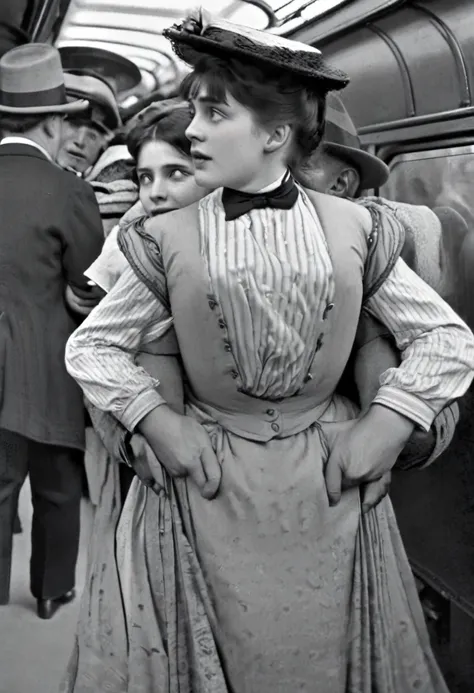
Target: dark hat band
333,134
34,99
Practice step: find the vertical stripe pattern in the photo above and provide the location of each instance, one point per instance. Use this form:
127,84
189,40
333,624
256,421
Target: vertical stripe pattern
437,348
272,275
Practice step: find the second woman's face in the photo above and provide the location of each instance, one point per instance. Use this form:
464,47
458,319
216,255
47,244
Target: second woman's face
166,178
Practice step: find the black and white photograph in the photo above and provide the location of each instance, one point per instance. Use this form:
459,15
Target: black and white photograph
236,346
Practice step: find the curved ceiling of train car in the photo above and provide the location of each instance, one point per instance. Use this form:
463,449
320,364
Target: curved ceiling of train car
133,27
407,64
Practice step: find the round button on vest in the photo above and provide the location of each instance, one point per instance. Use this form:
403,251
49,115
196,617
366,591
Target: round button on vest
275,427
212,304
271,412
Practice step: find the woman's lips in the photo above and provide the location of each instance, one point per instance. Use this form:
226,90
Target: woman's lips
199,156
160,210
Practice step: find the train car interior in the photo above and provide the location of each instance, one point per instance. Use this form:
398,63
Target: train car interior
411,96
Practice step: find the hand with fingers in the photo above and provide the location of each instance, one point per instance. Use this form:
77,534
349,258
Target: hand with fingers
363,452
374,491
183,447
82,305
144,463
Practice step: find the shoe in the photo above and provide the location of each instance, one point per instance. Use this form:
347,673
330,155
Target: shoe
48,607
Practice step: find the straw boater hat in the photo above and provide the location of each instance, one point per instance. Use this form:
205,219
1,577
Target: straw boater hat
200,33
103,111
32,82
341,139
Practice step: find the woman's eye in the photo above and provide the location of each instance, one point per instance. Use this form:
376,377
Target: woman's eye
178,174
215,114
144,179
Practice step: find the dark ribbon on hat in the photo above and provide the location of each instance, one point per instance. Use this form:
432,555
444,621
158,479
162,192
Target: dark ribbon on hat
34,99
237,203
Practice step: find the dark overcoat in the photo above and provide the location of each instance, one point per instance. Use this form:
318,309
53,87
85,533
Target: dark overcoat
50,232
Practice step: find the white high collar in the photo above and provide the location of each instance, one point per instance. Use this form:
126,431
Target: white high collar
17,139
274,185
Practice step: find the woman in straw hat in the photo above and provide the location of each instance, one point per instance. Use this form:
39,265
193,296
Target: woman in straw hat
249,567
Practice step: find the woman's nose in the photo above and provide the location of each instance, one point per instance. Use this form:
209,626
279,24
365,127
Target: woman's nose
158,190
194,131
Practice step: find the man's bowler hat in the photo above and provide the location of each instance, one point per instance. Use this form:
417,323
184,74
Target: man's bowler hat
32,82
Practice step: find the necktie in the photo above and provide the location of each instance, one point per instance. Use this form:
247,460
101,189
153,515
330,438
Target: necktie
237,203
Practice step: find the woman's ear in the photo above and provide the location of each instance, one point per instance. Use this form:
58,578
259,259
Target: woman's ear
278,138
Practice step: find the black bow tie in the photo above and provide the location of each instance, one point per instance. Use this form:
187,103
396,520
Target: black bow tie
237,203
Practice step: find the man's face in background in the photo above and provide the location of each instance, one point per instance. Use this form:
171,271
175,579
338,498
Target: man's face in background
83,143
326,173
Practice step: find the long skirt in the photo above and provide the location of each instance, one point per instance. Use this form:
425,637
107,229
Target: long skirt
264,589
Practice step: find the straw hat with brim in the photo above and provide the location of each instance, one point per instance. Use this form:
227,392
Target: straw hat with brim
341,139
32,82
80,84
120,73
200,34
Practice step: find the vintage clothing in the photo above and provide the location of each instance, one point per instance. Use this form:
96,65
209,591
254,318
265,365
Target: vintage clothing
50,233
265,587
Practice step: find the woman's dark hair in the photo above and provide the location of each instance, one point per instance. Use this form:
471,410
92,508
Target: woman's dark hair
18,124
275,97
166,121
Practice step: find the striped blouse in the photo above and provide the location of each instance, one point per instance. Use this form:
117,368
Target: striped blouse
267,332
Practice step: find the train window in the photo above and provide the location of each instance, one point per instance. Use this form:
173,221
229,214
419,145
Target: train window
442,178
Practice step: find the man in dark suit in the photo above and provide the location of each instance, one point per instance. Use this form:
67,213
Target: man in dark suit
50,232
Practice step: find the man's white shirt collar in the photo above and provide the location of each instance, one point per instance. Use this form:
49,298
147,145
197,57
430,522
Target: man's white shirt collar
25,140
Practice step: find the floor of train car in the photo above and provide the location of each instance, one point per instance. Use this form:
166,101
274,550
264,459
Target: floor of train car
34,653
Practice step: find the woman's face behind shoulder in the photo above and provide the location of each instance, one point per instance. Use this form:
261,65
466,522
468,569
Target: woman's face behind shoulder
166,178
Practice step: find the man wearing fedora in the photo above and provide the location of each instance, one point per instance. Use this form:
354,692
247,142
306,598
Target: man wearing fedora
50,233
109,169
101,77
342,168
84,150
86,134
